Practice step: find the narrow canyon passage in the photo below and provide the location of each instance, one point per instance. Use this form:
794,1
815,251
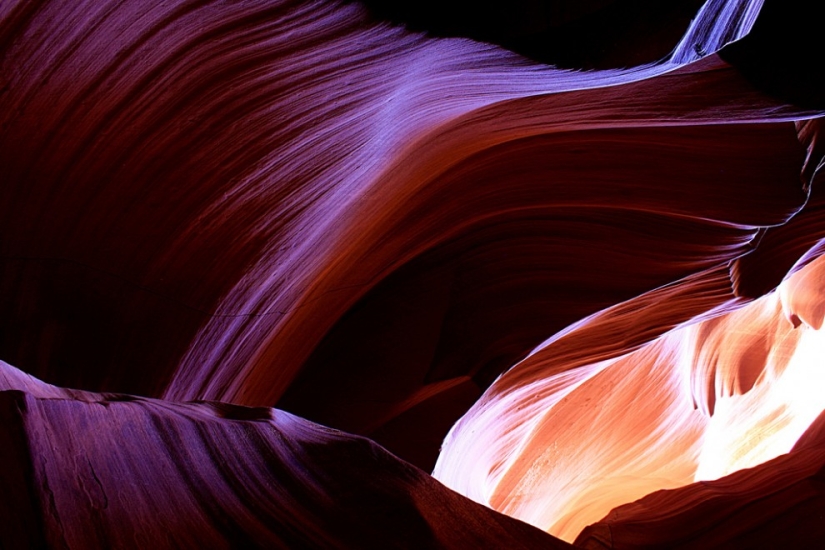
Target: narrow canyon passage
266,264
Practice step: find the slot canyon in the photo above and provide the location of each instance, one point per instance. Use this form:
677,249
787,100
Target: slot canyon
336,274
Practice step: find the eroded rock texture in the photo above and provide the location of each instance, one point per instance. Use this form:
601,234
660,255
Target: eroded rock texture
384,229
86,470
776,504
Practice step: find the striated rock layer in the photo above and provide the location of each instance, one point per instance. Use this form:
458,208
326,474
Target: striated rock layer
775,505
575,429
85,470
290,203
293,203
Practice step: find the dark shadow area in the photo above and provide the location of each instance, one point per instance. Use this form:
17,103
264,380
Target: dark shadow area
580,34
784,54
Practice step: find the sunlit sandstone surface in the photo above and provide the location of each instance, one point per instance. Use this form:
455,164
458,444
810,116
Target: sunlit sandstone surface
698,403
591,300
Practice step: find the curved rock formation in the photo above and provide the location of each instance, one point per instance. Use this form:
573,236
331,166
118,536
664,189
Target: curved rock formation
772,505
292,203
84,470
575,430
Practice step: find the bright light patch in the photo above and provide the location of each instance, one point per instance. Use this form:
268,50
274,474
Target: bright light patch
700,402
765,422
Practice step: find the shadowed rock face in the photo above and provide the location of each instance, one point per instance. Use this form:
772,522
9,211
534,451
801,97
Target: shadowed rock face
298,204
778,503
84,470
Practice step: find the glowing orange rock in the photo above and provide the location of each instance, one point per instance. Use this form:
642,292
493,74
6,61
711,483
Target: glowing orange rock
698,403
